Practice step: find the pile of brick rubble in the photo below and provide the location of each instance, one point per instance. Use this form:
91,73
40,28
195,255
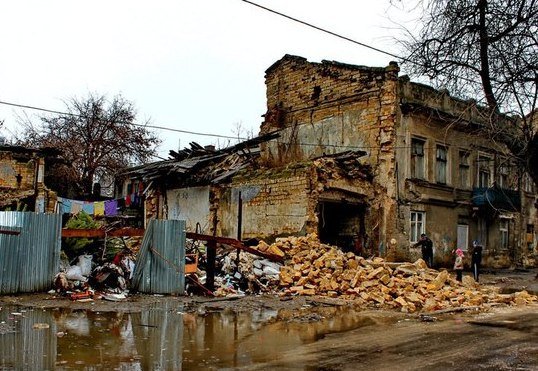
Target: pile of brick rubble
313,268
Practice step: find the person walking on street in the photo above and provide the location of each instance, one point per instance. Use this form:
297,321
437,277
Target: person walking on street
458,264
426,246
476,259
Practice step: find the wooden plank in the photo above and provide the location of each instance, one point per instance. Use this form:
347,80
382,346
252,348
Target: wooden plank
126,232
100,233
234,243
85,233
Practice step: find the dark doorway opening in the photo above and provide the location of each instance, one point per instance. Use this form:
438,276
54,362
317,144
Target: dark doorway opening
342,224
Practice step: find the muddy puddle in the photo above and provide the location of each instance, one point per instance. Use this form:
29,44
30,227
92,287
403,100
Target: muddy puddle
168,338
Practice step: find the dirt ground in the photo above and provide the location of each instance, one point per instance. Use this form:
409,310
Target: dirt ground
508,281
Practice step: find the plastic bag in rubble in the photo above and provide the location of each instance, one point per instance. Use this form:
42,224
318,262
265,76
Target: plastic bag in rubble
270,271
275,267
228,266
74,273
85,264
258,272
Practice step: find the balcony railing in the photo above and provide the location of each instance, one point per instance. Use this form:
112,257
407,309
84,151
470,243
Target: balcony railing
497,198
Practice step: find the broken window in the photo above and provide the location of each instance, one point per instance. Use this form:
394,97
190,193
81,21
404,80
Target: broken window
503,229
441,164
417,159
464,169
418,219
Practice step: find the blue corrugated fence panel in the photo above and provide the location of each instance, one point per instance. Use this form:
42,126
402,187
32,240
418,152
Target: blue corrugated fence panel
163,266
29,260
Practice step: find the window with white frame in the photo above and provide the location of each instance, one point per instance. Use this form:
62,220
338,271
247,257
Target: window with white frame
464,169
417,158
441,160
485,170
418,219
503,229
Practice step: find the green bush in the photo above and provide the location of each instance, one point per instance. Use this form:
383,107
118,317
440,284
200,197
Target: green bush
75,246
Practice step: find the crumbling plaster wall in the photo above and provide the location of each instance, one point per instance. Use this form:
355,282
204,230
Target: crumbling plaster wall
331,107
192,205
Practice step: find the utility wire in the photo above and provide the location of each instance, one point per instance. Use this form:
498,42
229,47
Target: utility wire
404,59
129,123
327,31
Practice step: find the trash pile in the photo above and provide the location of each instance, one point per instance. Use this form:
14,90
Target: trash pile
107,279
253,274
313,268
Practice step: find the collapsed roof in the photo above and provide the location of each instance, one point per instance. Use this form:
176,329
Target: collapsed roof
198,165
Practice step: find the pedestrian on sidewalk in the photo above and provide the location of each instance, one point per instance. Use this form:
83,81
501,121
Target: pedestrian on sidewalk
426,246
476,259
458,264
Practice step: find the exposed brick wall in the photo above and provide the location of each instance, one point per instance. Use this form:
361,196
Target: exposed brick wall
274,203
10,168
330,107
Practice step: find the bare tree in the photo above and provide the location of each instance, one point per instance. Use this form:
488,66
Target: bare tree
98,137
487,50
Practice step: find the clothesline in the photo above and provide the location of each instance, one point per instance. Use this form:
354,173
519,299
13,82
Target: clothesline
97,208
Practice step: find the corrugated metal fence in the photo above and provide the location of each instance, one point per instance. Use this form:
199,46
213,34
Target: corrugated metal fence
160,265
30,246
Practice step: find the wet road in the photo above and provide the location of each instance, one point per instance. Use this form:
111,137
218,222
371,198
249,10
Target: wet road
168,338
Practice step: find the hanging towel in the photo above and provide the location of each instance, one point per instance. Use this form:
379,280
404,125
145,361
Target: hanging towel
88,208
64,205
111,208
99,208
76,207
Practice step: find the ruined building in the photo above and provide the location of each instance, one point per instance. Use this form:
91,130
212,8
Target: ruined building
22,178
365,158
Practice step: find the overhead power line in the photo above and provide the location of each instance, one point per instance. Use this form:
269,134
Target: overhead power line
327,31
129,123
404,59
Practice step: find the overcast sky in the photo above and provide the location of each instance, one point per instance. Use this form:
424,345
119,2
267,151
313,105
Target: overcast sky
190,65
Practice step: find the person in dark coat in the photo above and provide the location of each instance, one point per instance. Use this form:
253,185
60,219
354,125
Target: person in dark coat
476,259
426,246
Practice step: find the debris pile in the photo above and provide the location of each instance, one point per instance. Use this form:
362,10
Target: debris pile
313,268
253,274
86,280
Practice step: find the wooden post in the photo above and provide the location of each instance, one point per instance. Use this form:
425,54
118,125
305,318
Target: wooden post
239,224
210,269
